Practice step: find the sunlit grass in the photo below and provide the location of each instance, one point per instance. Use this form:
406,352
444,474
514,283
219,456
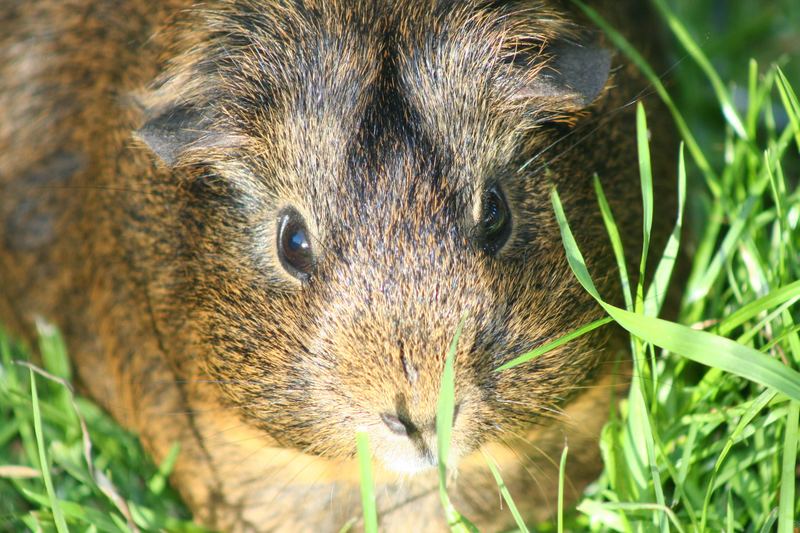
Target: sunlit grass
707,438
64,464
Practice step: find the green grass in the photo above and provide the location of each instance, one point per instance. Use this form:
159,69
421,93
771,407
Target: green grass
64,464
707,437
367,485
713,447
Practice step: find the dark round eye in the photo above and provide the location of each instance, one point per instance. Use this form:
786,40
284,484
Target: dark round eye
495,222
294,246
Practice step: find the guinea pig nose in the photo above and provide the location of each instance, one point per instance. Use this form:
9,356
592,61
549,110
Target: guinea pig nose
400,426
394,423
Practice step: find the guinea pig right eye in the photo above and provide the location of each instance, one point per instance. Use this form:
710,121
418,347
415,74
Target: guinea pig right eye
294,245
495,221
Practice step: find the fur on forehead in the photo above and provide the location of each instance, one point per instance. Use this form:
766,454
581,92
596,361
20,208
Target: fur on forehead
474,71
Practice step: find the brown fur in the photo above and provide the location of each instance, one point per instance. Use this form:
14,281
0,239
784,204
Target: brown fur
382,123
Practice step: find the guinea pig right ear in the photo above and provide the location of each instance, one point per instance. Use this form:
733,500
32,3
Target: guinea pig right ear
183,132
571,76
173,131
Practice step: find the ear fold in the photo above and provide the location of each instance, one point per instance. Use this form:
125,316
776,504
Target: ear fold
573,76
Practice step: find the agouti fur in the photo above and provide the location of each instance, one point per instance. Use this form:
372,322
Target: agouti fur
147,150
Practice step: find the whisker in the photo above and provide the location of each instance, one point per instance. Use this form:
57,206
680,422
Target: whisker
96,188
525,464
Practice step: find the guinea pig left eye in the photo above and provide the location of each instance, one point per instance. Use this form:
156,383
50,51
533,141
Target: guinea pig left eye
495,221
294,246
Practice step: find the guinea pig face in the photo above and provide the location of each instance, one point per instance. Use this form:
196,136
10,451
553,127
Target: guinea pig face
354,193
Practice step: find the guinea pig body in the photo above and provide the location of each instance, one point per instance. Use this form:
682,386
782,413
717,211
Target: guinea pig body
258,224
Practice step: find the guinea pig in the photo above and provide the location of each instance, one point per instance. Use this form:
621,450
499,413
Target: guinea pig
258,224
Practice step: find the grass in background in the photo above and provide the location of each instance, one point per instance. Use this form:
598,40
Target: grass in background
698,448
695,447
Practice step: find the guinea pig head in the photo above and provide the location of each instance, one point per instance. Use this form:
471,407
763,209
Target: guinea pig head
352,191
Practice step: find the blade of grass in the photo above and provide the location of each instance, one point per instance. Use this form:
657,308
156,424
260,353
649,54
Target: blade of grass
562,471
790,103
58,515
777,340
639,447
367,483
709,277
505,494
711,350
444,428
748,336
702,257
646,180
642,431
656,293
724,98
778,188
552,345
752,94
686,457
786,521
769,522
634,447
786,507
616,241
752,309
700,346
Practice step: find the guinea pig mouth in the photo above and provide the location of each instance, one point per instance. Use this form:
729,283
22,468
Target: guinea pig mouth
408,462
403,464
411,454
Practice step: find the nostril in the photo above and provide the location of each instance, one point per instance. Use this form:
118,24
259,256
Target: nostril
394,423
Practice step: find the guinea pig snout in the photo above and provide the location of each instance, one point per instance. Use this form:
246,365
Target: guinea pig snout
406,447
407,443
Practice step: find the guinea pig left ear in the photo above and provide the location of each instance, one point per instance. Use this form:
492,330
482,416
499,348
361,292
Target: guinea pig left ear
572,77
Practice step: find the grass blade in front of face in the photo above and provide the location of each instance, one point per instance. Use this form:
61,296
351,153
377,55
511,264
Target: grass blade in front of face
367,484
552,345
444,429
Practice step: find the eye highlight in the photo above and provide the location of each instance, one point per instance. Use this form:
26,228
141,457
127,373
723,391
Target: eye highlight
294,245
495,223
